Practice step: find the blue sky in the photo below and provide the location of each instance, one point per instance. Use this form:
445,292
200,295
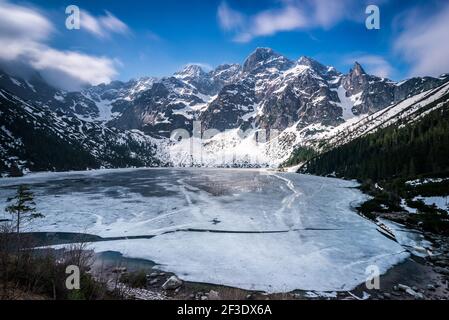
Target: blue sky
127,39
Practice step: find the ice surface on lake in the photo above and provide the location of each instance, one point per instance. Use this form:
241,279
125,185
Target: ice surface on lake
251,229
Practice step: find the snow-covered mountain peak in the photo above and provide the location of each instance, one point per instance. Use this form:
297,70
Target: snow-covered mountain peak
264,58
357,70
190,71
313,64
269,92
226,73
327,72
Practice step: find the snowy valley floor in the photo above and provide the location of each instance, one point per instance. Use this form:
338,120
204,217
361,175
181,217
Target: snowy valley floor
250,229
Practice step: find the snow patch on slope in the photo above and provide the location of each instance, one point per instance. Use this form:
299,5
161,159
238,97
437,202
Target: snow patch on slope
347,103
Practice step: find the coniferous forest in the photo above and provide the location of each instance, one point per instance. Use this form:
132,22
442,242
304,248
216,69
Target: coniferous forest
395,152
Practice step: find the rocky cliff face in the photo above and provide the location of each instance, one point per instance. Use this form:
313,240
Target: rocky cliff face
378,93
267,92
36,138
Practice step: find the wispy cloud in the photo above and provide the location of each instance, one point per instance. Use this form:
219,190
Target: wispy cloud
228,18
326,14
373,64
86,68
290,15
270,22
102,26
153,36
423,41
203,65
19,25
24,34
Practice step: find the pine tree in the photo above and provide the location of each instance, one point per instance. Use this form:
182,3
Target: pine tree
421,148
22,206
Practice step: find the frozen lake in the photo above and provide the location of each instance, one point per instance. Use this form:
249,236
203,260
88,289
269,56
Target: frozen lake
252,229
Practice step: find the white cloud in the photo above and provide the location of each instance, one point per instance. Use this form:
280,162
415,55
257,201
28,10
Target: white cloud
272,21
102,26
373,64
16,22
205,66
114,24
18,25
24,33
87,69
228,18
291,15
329,13
90,24
424,43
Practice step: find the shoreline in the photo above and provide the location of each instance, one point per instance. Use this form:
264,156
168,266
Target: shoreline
422,275
414,273
417,273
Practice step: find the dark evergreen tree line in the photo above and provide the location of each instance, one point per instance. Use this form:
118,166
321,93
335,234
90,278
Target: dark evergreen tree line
417,149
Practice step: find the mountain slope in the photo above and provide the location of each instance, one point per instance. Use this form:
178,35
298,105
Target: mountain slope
401,113
406,140
254,114
36,138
